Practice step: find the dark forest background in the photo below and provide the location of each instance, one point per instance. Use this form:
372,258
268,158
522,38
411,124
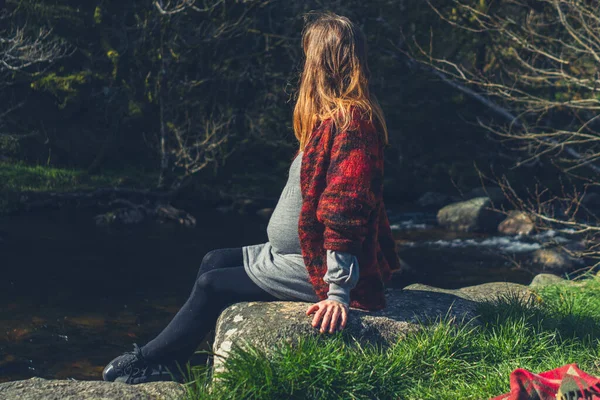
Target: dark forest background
197,98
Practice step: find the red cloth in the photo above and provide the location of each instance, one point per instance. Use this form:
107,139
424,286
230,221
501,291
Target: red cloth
341,180
564,383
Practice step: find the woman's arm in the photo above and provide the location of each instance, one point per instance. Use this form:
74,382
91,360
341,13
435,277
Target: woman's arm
347,201
341,275
345,206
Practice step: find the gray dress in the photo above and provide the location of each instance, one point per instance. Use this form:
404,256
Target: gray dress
277,266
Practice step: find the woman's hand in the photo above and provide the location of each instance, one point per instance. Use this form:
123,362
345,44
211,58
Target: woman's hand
330,311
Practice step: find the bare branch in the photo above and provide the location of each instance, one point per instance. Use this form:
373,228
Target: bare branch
20,49
183,5
26,51
542,76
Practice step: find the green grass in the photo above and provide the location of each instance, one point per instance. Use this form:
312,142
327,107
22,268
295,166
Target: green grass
19,177
443,361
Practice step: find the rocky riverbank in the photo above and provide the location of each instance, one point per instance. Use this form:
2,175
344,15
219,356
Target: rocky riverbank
267,323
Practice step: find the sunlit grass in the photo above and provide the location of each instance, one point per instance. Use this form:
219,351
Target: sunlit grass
443,361
20,177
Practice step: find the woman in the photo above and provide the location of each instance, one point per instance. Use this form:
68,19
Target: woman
329,221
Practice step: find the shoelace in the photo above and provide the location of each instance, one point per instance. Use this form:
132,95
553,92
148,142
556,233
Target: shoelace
147,368
146,371
137,353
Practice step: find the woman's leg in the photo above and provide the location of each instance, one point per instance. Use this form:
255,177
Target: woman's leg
221,258
213,291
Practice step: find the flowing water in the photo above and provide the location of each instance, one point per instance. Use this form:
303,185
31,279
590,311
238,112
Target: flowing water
73,296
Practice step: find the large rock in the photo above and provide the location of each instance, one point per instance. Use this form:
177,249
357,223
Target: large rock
555,260
546,280
266,324
42,389
516,223
478,293
472,215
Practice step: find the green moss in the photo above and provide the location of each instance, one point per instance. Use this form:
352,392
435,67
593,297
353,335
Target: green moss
19,177
113,55
9,146
98,15
55,84
39,10
134,109
63,87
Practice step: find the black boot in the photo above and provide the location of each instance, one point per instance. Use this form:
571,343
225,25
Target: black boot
132,368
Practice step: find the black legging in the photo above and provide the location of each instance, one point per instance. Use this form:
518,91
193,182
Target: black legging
221,281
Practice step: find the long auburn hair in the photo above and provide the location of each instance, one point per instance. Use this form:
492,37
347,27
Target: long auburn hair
335,76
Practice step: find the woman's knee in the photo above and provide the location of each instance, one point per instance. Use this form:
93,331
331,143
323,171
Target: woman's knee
212,257
207,281
209,261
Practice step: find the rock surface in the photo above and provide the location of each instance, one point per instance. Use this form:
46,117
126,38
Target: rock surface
555,260
545,280
470,216
516,223
265,324
42,389
485,291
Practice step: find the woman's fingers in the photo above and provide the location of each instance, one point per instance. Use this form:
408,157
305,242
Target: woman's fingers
318,316
327,318
328,313
344,318
312,309
334,319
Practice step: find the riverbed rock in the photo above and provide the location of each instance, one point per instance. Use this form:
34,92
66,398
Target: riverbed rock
168,213
516,223
126,216
42,389
555,260
545,280
471,215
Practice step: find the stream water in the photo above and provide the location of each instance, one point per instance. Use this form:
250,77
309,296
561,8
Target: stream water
73,296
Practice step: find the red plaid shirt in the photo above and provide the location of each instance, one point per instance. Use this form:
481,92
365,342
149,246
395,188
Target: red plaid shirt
341,179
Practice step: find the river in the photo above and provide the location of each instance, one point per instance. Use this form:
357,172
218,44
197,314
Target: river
73,295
